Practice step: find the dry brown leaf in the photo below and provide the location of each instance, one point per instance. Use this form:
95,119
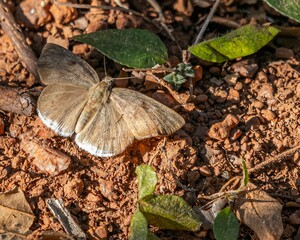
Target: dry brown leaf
261,213
16,216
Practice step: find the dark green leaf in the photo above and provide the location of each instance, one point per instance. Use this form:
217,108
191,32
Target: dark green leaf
169,212
288,8
226,225
147,180
134,48
239,43
180,74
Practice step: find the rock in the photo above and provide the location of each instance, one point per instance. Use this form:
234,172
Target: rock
245,68
235,134
221,130
2,125
284,53
231,79
266,91
233,95
63,14
204,170
294,218
201,98
268,114
252,123
46,159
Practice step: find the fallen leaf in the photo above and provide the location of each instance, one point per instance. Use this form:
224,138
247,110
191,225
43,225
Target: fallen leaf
261,213
16,216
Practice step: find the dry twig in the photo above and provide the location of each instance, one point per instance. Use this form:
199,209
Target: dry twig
16,100
17,38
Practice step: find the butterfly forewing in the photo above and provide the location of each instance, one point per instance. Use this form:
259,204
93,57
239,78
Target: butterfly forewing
144,116
58,65
59,107
107,134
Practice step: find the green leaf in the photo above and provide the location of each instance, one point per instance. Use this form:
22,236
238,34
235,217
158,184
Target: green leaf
288,8
147,180
138,227
245,174
180,74
226,225
134,48
169,212
238,43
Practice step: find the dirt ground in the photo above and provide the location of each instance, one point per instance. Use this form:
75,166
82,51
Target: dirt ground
258,94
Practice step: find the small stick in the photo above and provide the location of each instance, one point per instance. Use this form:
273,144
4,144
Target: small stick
58,209
277,158
17,38
16,100
210,15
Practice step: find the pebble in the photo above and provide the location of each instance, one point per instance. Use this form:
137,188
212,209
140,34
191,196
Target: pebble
252,123
204,170
235,134
221,130
244,68
46,159
257,104
201,98
231,79
294,218
2,125
266,91
233,95
268,114
284,53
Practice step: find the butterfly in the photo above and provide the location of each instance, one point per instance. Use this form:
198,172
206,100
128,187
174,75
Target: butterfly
104,120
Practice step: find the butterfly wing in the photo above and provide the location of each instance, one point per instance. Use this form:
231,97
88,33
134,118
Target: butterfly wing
144,116
58,65
59,107
107,134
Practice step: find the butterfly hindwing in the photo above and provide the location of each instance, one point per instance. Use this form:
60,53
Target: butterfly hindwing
106,134
144,116
58,65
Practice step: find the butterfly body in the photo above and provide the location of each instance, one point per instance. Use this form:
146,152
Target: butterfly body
105,120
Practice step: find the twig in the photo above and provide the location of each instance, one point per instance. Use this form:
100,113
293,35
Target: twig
17,38
57,208
16,100
277,158
210,15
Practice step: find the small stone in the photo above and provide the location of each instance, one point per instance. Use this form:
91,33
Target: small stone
231,79
268,114
294,218
252,123
221,96
151,83
100,233
93,198
164,98
221,130
233,95
216,81
46,159
204,170
201,98
235,134
266,91
81,23
257,104
215,70
245,68
284,53
2,125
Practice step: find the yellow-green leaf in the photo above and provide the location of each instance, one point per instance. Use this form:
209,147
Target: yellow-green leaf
238,43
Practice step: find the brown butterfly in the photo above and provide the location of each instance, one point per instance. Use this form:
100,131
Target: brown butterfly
105,120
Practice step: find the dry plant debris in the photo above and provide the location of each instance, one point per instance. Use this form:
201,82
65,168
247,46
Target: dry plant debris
262,91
